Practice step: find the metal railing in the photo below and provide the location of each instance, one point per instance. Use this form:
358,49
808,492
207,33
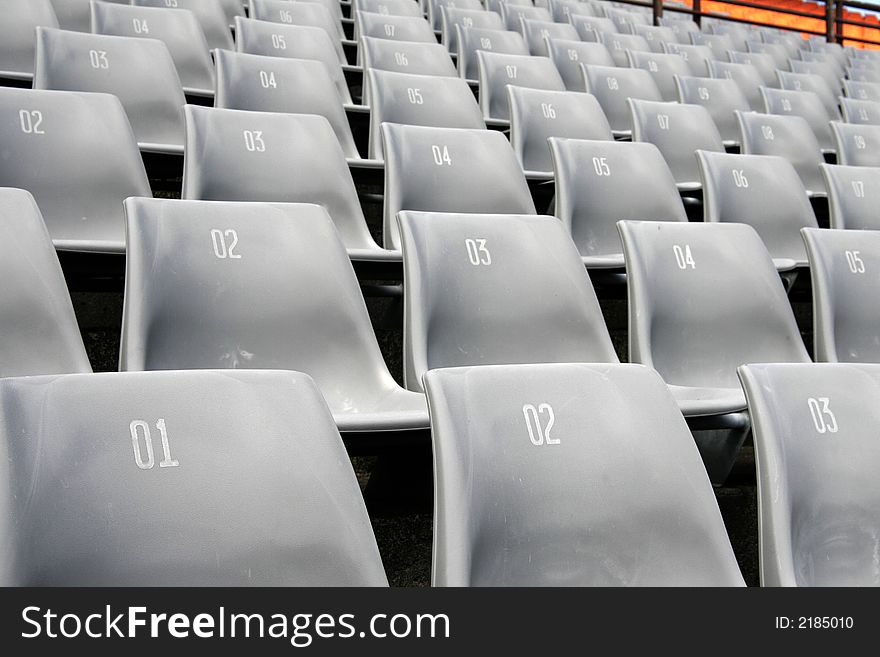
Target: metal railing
828,24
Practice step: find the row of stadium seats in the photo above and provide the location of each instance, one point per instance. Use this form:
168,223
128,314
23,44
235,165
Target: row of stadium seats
552,474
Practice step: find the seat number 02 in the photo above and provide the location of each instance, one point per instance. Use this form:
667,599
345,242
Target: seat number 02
539,422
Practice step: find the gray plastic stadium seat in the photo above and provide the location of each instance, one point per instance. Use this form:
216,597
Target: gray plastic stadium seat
697,57
449,170
39,328
612,87
275,84
452,17
843,266
596,183
860,112
540,528
536,114
497,71
663,67
568,56
863,74
77,14
292,41
853,193
737,33
75,152
435,9
284,296
655,35
425,100
178,28
764,192
826,71
20,19
395,28
719,44
179,479
619,44
513,15
857,145
305,14
721,97
810,82
140,72
805,104
778,52
763,63
233,155
746,77
519,270
406,57
210,14
563,10
790,42
704,299
387,7
678,130
536,34
790,137
472,40
682,28
591,27
862,90
817,454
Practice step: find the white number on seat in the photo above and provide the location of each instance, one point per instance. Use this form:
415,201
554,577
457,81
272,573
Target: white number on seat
600,166
253,141
739,178
400,59
389,29
170,3
31,120
467,21
224,242
767,132
538,434
573,55
612,83
652,66
786,105
511,71
797,85
278,42
858,188
415,96
267,79
823,417
861,144
441,155
856,264
703,93
139,428
485,43
548,110
286,16
477,251
684,257
98,59
663,120
140,26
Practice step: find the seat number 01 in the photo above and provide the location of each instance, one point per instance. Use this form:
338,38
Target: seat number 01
142,444
539,428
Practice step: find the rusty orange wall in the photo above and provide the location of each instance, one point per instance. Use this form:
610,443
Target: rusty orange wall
818,25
